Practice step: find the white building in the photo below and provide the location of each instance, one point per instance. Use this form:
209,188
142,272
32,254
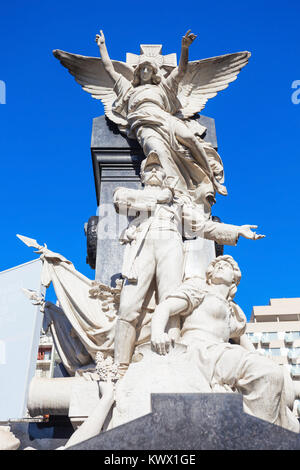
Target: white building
274,330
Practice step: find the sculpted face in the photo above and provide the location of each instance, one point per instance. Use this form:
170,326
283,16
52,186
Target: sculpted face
146,72
153,175
222,273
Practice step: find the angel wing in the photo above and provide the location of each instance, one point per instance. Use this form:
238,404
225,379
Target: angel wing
204,78
89,72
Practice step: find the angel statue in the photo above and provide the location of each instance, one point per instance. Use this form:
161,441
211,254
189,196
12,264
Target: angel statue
153,100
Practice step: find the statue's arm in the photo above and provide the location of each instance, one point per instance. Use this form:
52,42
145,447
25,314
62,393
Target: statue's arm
133,200
138,200
227,234
160,340
93,424
180,71
224,234
108,65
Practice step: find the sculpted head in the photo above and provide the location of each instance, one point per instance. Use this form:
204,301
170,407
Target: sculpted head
224,270
146,72
152,173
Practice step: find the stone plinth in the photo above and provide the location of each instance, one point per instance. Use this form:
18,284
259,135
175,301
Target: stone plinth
195,422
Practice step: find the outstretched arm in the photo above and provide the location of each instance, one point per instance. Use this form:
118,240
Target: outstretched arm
187,40
179,72
224,234
100,40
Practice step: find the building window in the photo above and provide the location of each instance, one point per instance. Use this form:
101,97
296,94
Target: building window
272,351
295,372
272,335
269,336
294,334
275,351
253,338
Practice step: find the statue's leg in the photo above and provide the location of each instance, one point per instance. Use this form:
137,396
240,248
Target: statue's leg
149,139
152,142
131,302
169,272
169,262
261,382
188,139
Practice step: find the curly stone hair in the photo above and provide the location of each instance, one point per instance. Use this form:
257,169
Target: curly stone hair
156,78
235,268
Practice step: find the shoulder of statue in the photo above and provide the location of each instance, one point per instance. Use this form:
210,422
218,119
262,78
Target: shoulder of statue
197,282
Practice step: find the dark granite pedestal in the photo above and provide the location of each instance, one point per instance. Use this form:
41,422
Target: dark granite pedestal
116,162
195,422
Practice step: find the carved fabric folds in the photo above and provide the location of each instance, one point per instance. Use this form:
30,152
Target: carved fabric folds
69,347
89,323
151,120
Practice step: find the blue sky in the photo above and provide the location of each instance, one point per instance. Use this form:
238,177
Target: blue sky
47,188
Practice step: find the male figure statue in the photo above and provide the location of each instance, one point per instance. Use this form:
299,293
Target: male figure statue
154,248
211,320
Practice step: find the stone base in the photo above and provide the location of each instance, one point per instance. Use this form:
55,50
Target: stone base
195,422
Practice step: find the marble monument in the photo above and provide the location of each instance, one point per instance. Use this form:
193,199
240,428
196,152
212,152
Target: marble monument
162,327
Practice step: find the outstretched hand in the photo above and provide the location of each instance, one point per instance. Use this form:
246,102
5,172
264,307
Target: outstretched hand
188,38
100,39
246,232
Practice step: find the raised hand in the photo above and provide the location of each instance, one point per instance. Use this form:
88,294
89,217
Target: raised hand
246,232
100,39
108,66
188,38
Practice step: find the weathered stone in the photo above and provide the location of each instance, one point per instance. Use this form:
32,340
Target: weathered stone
195,422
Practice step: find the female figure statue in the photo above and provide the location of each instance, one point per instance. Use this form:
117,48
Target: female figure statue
154,104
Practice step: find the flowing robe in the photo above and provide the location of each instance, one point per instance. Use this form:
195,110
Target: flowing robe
150,111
